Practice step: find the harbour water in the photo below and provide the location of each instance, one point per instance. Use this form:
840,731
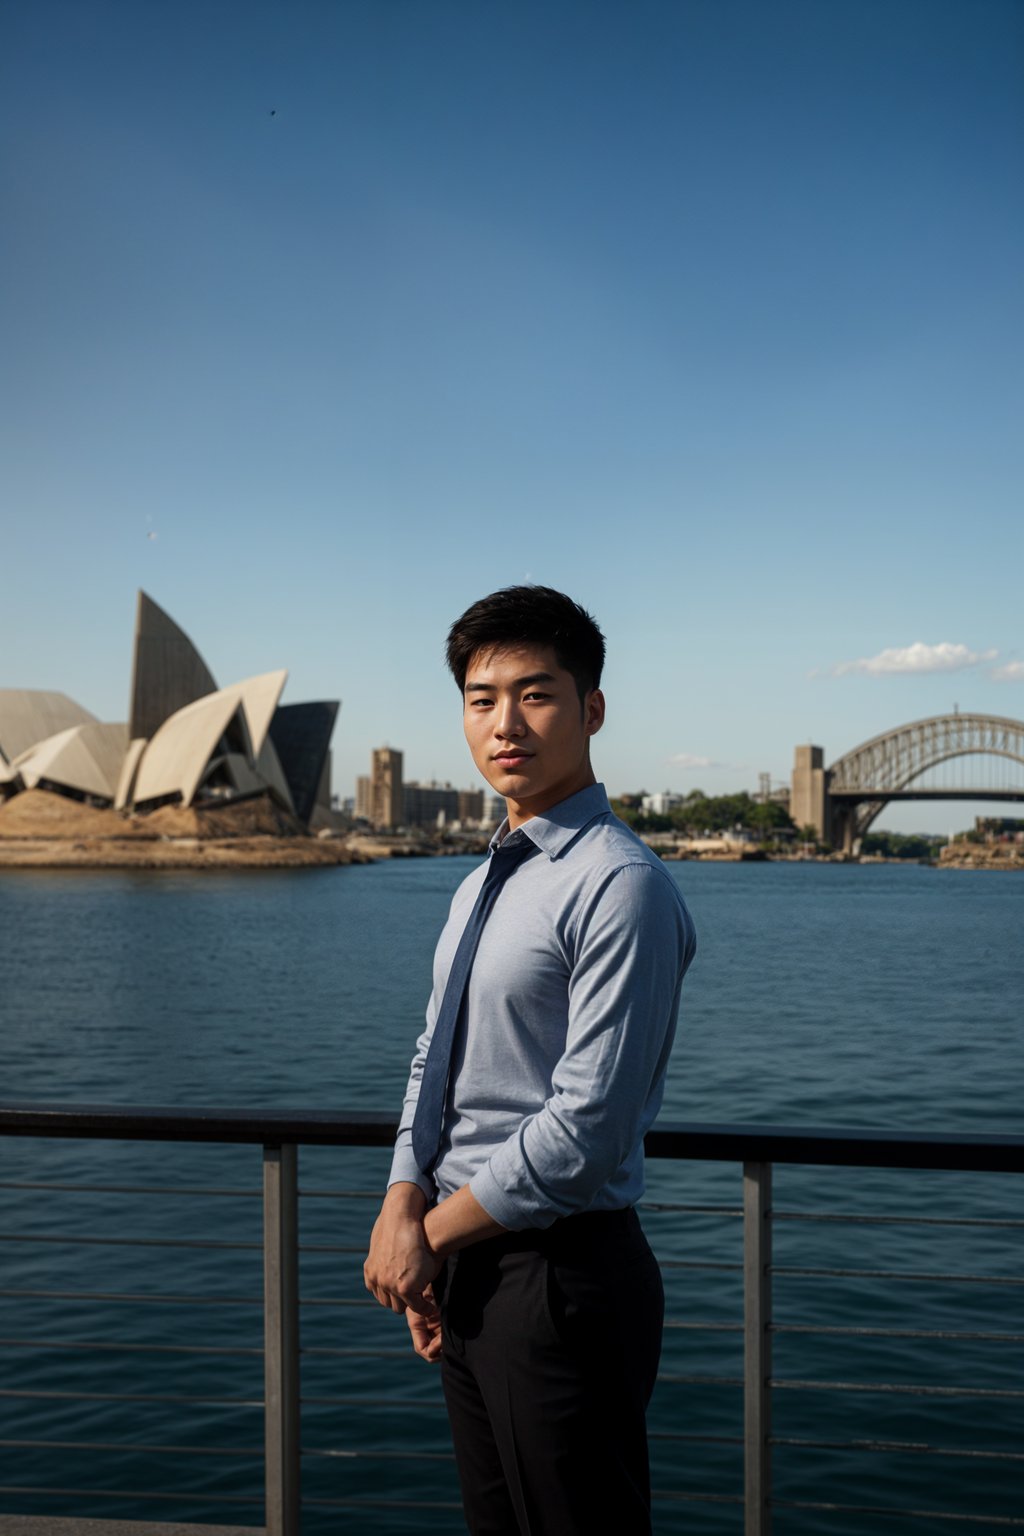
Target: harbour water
822,995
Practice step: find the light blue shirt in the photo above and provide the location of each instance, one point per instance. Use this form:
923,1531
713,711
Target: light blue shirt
570,1014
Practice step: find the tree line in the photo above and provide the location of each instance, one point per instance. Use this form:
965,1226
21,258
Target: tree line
700,814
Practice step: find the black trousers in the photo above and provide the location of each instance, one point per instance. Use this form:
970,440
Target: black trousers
550,1347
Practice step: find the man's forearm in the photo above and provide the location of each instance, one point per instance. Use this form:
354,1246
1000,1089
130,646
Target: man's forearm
458,1222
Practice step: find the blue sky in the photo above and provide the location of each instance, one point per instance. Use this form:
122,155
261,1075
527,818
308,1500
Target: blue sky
322,319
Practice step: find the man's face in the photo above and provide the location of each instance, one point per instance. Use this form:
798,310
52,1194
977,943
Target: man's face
527,730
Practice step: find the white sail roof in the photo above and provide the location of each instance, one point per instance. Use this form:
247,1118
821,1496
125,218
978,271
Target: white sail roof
178,757
86,758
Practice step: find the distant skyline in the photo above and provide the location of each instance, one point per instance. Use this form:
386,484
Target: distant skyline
322,320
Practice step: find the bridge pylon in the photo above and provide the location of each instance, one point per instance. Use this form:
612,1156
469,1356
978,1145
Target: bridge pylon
808,793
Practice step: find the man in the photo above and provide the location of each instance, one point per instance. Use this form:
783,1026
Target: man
507,1235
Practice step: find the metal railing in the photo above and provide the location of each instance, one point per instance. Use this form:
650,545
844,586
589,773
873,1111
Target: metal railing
757,1149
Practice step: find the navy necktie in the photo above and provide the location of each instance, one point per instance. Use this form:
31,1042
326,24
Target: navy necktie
428,1121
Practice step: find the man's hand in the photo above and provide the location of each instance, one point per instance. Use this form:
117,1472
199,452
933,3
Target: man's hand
401,1264
426,1332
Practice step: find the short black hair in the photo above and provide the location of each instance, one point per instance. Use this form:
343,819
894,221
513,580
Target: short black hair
529,615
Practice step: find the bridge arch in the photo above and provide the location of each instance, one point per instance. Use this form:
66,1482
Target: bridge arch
845,799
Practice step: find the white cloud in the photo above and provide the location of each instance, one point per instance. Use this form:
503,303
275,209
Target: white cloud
944,657
689,760
1012,672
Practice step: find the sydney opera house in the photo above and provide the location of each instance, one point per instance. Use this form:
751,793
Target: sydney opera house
186,741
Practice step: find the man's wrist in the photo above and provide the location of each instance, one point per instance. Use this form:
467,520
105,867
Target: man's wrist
406,1199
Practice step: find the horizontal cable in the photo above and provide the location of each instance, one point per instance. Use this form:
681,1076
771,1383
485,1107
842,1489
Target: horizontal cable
674,1322
701,1381
132,1189
897,1221
951,1334
910,1447
161,1296
698,1264
346,1353
670,1496
338,1301
112,1346
339,1194
134,1349
129,1242
129,1445
901,1388
690,1210
906,1514
359,1248
676,1435
122,1493
382,1504
127,1397
339,1455
181,1299
895,1274
412,1403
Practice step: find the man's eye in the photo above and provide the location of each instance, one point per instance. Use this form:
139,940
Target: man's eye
535,695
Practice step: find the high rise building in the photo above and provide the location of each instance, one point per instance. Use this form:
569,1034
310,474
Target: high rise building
364,797
386,807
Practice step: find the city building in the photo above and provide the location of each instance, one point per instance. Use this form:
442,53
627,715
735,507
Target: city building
430,805
442,805
386,808
387,801
661,803
185,742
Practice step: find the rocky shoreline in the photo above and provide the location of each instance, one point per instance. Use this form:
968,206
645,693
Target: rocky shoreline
39,830
996,857
174,853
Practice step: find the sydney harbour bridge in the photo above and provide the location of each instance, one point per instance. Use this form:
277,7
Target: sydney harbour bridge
949,757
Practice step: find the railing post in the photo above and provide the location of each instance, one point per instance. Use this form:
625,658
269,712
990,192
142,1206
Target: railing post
757,1346
281,1338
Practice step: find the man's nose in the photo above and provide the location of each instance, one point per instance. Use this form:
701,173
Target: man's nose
509,721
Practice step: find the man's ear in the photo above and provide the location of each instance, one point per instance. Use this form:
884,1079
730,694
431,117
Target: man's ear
593,712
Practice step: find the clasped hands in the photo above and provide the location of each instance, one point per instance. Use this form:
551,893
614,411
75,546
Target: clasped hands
408,1245
401,1266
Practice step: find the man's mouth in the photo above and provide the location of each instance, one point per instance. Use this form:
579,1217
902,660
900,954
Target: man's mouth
513,755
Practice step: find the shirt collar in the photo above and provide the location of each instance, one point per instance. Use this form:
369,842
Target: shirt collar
556,828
